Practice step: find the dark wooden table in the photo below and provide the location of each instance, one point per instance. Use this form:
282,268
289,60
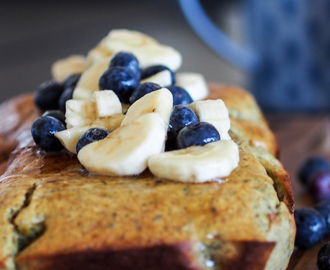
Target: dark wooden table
301,136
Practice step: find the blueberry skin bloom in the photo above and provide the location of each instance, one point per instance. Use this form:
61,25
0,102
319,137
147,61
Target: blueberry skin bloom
311,166
180,95
121,80
142,90
148,72
319,186
71,81
47,95
197,134
181,116
43,130
311,227
91,135
323,257
59,115
324,209
126,59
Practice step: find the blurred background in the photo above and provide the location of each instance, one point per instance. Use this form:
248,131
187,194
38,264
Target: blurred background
34,34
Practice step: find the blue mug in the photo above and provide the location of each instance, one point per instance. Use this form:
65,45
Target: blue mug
289,59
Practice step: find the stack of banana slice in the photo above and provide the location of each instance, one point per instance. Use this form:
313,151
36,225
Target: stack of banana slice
137,139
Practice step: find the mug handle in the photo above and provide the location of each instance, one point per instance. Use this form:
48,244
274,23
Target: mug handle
216,39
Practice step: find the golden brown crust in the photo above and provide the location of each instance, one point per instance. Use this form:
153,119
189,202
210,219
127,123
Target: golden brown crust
66,217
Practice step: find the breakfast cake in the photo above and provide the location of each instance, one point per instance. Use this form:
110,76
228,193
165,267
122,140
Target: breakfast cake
60,212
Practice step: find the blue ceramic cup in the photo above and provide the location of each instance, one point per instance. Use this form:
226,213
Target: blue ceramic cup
289,59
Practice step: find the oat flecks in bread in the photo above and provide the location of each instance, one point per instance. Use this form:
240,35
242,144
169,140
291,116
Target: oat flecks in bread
151,222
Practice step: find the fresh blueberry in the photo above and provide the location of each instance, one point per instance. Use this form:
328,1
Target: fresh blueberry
148,72
311,227
180,95
71,81
47,95
323,257
91,135
126,59
310,166
181,116
121,80
143,89
43,130
197,134
324,209
319,186
59,115
66,95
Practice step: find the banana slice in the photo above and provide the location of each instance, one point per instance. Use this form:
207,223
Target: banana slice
71,65
126,150
214,112
160,101
107,103
69,137
79,112
196,163
194,83
97,54
147,50
163,78
89,80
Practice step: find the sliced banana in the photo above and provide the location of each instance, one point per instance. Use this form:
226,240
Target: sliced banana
69,137
97,54
147,50
196,163
163,78
89,80
79,112
126,150
160,101
194,83
107,103
214,112
71,65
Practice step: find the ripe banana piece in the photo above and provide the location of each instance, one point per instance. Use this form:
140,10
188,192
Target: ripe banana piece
160,102
196,163
126,150
107,103
147,50
66,67
162,78
214,112
79,112
194,83
69,137
89,80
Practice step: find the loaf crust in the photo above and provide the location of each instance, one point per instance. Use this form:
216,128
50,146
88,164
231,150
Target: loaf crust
55,215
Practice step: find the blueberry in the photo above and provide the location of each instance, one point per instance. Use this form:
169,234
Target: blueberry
324,209
197,134
121,80
43,130
143,89
47,95
126,59
319,186
66,95
71,81
56,114
91,135
323,257
180,95
148,72
310,166
180,117
311,227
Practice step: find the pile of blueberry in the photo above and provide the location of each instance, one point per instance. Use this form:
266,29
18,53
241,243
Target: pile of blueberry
123,77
